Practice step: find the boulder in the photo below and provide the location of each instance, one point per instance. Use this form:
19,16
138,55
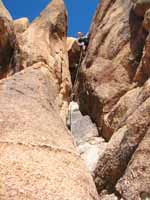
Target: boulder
92,150
7,46
131,126
109,197
146,22
4,12
114,90
143,71
140,7
45,42
21,25
90,146
137,176
73,51
74,56
37,157
108,70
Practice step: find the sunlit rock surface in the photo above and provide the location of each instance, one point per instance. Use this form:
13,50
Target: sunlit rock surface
114,91
38,159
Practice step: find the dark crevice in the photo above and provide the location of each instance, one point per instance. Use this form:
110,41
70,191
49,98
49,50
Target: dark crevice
89,102
7,43
137,40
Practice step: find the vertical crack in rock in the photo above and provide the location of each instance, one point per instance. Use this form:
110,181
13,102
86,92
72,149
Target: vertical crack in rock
38,159
7,46
114,91
137,41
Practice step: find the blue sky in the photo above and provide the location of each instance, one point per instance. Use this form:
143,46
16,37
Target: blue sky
80,11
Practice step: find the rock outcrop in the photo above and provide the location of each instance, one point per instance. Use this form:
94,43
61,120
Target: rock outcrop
7,41
146,22
143,71
90,146
114,89
37,156
106,71
140,7
43,43
137,175
7,46
38,159
74,56
21,25
4,12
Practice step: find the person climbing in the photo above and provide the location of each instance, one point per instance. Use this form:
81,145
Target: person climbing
83,41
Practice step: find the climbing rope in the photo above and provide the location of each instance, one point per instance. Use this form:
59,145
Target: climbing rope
74,88
77,74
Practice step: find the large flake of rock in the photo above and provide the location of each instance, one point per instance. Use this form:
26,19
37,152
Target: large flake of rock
7,46
143,71
137,177
115,49
117,101
130,121
21,25
38,159
74,56
37,156
140,7
146,22
89,144
45,42
109,197
8,42
4,12
73,51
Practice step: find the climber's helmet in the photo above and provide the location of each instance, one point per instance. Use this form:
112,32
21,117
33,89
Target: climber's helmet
80,34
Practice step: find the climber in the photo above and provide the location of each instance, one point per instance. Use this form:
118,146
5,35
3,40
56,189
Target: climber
83,41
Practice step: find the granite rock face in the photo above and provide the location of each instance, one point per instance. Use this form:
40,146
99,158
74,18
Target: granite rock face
114,89
7,46
106,71
90,146
146,22
143,71
7,41
44,42
4,12
38,159
137,176
140,7
21,25
74,56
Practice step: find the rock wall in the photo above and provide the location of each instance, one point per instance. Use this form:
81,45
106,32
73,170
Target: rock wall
43,43
74,57
114,89
7,40
21,25
38,159
4,12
